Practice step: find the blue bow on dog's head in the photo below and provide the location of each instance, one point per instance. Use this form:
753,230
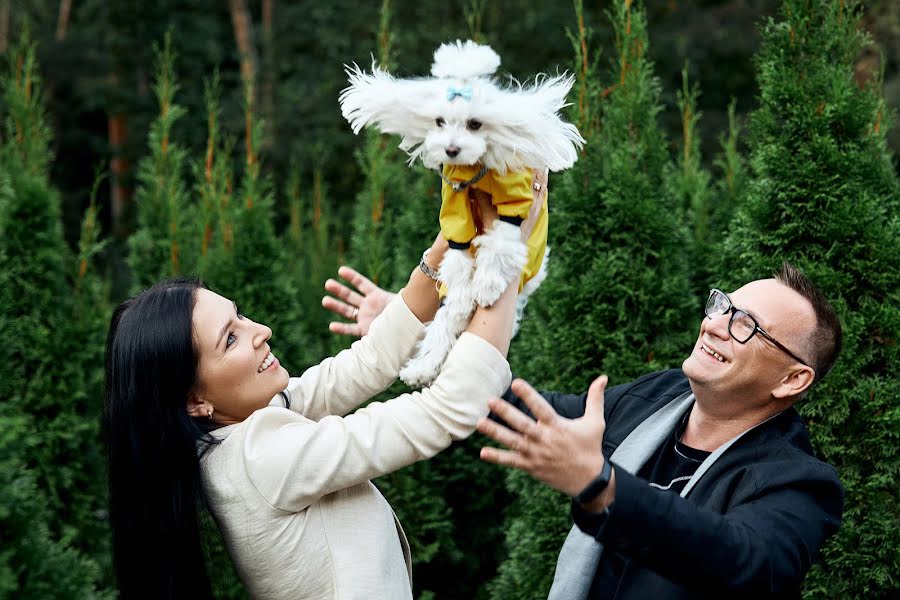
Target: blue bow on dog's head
464,92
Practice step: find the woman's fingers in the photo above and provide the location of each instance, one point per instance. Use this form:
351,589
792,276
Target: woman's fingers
343,292
339,308
351,329
359,281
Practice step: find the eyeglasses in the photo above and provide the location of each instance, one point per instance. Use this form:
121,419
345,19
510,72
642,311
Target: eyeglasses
741,326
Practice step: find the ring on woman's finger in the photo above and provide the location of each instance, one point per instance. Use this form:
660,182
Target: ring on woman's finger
355,313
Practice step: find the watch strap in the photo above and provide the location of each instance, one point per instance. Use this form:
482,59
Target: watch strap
591,523
595,487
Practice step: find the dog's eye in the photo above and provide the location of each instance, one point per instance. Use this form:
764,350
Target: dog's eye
473,124
440,122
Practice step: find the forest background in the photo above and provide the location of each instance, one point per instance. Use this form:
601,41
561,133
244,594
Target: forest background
145,139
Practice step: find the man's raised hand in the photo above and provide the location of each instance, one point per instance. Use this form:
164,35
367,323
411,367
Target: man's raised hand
563,453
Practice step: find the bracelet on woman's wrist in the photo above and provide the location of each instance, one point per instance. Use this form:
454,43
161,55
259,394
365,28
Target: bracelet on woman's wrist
425,268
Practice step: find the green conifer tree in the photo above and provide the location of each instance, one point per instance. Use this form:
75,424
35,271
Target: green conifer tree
691,187
732,184
314,254
616,299
165,242
824,195
248,263
50,471
393,222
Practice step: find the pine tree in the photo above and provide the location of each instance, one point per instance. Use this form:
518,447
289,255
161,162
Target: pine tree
51,471
824,195
616,298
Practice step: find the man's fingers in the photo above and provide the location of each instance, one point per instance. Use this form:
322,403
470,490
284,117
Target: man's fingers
505,458
498,432
593,408
539,407
515,418
359,281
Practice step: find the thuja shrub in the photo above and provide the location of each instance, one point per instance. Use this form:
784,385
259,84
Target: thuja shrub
616,299
823,194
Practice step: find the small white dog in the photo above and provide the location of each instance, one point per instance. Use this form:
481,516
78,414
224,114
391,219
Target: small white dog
481,136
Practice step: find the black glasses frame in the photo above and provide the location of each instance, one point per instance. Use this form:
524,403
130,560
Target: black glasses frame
735,312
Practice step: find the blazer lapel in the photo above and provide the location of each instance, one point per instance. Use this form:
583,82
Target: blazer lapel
580,554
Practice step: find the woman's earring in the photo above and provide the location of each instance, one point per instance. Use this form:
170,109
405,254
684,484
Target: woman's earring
209,412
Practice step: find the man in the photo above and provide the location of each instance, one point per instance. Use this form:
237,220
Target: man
698,482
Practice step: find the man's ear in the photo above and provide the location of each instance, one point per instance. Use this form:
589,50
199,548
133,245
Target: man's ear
795,383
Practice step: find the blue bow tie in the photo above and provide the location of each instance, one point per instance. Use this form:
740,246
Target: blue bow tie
464,92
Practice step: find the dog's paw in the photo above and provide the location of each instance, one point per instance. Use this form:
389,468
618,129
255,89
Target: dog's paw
421,371
501,255
456,269
487,289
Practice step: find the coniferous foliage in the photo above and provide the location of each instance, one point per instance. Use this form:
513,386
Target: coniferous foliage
248,262
732,185
824,196
616,298
162,243
444,503
51,469
692,190
315,252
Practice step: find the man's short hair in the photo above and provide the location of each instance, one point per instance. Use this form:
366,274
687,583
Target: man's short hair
823,343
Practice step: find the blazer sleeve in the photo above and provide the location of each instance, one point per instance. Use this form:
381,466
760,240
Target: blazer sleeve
763,545
293,461
340,383
570,406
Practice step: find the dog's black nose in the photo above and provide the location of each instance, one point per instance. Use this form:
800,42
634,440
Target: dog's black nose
452,151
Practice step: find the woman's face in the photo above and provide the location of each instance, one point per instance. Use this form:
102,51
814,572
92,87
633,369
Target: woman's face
237,374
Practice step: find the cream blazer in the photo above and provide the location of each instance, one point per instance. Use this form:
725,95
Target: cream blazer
290,489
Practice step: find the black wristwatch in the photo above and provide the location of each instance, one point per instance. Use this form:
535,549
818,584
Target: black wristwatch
597,486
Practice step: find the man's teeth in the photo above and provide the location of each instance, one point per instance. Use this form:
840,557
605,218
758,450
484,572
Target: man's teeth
270,358
718,356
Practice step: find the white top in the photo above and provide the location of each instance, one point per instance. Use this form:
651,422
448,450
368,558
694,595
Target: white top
290,489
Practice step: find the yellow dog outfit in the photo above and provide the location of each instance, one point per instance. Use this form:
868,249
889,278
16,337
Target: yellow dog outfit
511,194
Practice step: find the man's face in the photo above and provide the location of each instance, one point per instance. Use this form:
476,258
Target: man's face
747,373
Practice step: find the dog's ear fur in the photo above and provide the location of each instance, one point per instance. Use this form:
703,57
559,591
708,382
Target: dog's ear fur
398,106
464,61
525,125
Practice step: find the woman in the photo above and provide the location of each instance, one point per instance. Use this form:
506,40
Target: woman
199,409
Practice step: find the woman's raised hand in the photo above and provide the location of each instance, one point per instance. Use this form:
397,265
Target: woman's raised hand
360,307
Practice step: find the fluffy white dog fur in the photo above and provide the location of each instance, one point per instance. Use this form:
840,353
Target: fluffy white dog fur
461,116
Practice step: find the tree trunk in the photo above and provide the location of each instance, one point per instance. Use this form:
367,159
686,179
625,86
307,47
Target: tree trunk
62,23
4,26
120,191
267,102
243,35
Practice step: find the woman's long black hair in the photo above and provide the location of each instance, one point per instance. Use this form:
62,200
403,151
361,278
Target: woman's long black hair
153,443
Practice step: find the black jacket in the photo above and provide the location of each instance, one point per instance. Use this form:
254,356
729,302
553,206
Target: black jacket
752,526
